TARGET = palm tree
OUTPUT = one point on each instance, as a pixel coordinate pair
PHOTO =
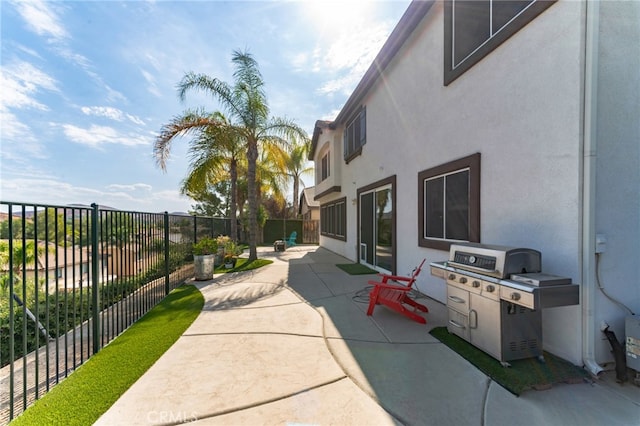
(245, 103)
(270, 174)
(295, 161)
(215, 148)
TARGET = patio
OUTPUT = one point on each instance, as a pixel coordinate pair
(290, 343)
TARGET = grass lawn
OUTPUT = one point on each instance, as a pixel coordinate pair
(523, 374)
(94, 387)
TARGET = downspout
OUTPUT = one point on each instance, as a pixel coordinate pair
(592, 21)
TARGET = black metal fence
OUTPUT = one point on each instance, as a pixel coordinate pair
(73, 278)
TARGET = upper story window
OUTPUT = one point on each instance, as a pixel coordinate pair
(325, 170)
(355, 135)
(449, 203)
(473, 28)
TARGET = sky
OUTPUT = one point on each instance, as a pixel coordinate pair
(87, 85)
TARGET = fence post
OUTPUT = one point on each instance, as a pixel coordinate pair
(166, 253)
(12, 335)
(195, 229)
(95, 282)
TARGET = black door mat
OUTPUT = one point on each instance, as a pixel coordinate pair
(523, 374)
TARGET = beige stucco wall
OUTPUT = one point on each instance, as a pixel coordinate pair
(521, 108)
(618, 164)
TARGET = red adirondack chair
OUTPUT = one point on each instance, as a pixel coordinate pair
(395, 296)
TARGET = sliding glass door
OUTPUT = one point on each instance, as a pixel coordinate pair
(376, 228)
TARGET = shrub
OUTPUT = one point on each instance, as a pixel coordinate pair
(205, 246)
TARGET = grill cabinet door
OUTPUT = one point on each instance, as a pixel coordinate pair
(484, 325)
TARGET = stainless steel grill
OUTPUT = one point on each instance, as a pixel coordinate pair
(495, 297)
(495, 261)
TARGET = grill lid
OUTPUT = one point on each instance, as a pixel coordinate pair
(494, 260)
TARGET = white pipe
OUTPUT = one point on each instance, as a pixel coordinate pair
(592, 24)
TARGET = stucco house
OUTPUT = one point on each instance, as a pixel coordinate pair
(522, 119)
(309, 208)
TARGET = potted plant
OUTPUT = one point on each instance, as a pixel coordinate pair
(231, 251)
(204, 252)
(222, 240)
(229, 261)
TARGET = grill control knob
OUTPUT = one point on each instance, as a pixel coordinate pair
(491, 288)
(515, 296)
(463, 280)
(452, 276)
(476, 283)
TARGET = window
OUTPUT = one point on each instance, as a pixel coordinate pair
(449, 203)
(473, 28)
(355, 135)
(333, 219)
(326, 167)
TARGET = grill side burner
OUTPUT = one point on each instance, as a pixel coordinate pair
(499, 315)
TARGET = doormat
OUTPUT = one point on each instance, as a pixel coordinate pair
(356, 269)
(524, 374)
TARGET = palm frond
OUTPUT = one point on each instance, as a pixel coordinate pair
(217, 89)
(190, 122)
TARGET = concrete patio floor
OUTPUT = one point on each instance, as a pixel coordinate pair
(290, 343)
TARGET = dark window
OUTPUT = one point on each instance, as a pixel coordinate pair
(325, 170)
(473, 28)
(449, 203)
(333, 219)
(355, 135)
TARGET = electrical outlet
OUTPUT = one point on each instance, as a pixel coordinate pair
(601, 243)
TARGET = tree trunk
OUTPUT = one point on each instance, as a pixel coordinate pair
(252, 157)
(296, 189)
(233, 214)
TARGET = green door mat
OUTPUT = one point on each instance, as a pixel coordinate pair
(524, 374)
(356, 269)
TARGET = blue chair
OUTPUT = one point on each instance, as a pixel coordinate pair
(292, 239)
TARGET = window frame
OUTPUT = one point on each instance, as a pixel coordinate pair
(333, 221)
(355, 135)
(519, 21)
(472, 163)
(325, 169)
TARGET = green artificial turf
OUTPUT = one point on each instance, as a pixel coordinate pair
(356, 269)
(89, 391)
(523, 374)
(242, 264)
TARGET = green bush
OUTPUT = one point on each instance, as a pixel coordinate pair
(61, 312)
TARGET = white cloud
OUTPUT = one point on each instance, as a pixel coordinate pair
(111, 113)
(41, 18)
(349, 57)
(57, 192)
(20, 82)
(130, 188)
(349, 35)
(75, 58)
(28, 51)
(112, 94)
(152, 86)
(18, 140)
(96, 136)
(46, 191)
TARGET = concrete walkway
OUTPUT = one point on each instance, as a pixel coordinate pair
(290, 344)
